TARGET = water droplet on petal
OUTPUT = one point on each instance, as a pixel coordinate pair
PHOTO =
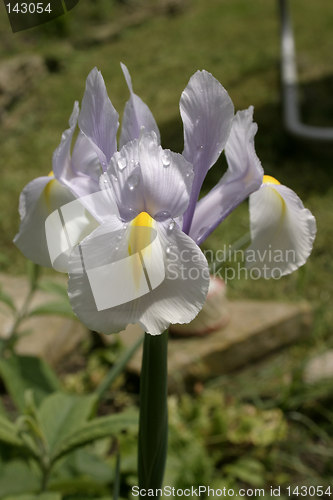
(162, 216)
(171, 226)
(114, 177)
(166, 158)
(154, 136)
(133, 181)
(122, 163)
(151, 146)
(168, 251)
(197, 121)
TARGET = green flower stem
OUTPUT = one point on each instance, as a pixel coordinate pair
(153, 425)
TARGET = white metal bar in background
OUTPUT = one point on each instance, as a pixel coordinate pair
(291, 108)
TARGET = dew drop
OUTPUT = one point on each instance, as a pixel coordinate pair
(168, 251)
(154, 136)
(171, 226)
(166, 158)
(151, 146)
(162, 216)
(122, 163)
(133, 181)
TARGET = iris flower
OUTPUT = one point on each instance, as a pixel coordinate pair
(131, 222)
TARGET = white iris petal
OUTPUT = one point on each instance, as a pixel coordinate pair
(282, 231)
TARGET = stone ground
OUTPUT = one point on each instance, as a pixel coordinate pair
(254, 330)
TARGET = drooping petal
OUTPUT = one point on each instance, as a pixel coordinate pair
(154, 285)
(61, 163)
(206, 110)
(182, 294)
(98, 119)
(136, 115)
(244, 176)
(38, 200)
(147, 178)
(282, 231)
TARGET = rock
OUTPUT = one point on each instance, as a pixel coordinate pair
(255, 330)
(319, 368)
(16, 78)
(213, 316)
(51, 337)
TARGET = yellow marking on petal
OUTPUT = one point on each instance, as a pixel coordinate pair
(268, 179)
(47, 193)
(142, 220)
(50, 174)
(139, 239)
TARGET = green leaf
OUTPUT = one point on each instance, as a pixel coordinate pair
(248, 470)
(61, 414)
(61, 308)
(20, 373)
(97, 428)
(118, 368)
(116, 487)
(90, 464)
(2, 409)
(54, 288)
(8, 432)
(6, 299)
(16, 477)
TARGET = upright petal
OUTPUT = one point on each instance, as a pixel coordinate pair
(147, 178)
(98, 119)
(176, 295)
(38, 200)
(282, 231)
(61, 163)
(136, 116)
(244, 175)
(85, 160)
(206, 110)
